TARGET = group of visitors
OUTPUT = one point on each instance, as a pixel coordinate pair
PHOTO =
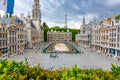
(20, 53)
(53, 55)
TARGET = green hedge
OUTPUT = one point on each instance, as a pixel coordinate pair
(11, 70)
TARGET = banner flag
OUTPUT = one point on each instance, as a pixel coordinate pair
(10, 6)
(7, 6)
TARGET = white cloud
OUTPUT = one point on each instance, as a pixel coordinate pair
(22, 7)
(52, 24)
(52, 1)
(49, 7)
(112, 2)
(88, 17)
(2, 13)
(83, 4)
(73, 21)
(74, 24)
(45, 8)
(62, 1)
(71, 24)
(76, 7)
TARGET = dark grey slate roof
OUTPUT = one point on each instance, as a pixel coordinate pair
(7, 20)
(32, 25)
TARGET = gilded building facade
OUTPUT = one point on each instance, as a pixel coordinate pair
(57, 36)
(102, 36)
(107, 37)
(19, 33)
(12, 36)
(84, 38)
(12, 39)
(4, 47)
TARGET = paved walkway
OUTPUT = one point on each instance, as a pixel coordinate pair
(87, 60)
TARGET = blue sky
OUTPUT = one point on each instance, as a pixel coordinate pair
(53, 11)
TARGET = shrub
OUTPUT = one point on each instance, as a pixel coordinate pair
(11, 70)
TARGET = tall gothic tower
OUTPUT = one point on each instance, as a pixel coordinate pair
(82, 29)
(36, 16)
(83, 25)
(36, 13)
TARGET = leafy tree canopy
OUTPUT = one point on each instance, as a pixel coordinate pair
(45, 25)
(117, 17)
(56, 27)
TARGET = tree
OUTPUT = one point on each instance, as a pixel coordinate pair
(74, 32)
(56, 27)
(117, 17)
(45, 25)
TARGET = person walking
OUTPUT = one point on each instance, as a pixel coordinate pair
(36, 51)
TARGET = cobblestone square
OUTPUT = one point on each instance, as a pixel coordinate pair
(87, 60)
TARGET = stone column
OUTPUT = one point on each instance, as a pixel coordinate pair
(108, 51)
(105, 50)
(115, 53)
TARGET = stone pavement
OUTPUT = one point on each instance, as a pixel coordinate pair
(87, 60)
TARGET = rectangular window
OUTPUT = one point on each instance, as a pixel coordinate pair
(10, 39)
(3, 42)
(114, 40)
(118, 29)
(3, 35)
(117, 45)
(114, 34)
(117, 20)
(0, 43)
(0, 35)
(12, 33)
(111, 34)
(6, 42)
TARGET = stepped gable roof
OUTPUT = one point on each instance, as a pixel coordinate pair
(109, 20)
(51, 30)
